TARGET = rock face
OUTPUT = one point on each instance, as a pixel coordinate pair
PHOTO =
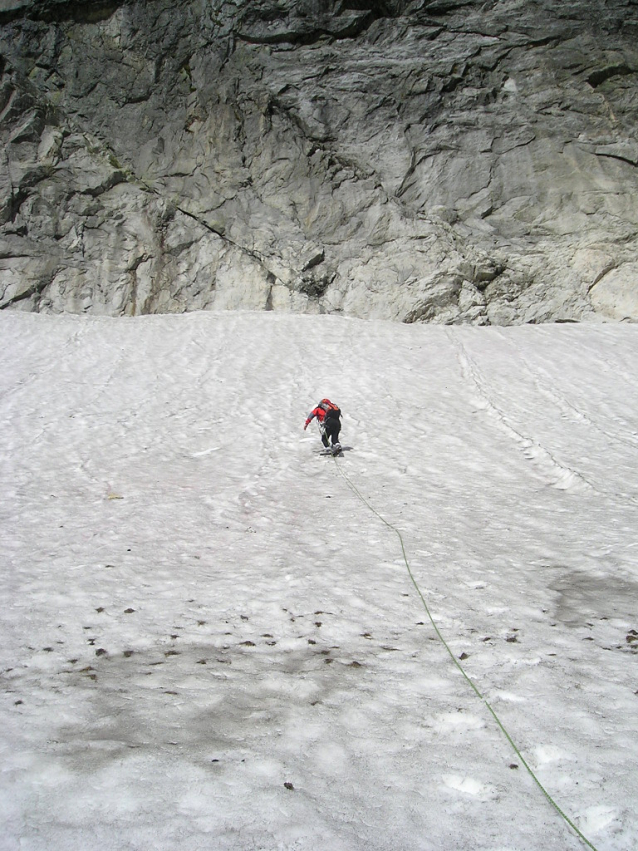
(442, 160)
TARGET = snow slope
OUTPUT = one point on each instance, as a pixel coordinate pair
(209, 640)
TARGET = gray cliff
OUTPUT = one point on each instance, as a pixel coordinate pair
(436, 160)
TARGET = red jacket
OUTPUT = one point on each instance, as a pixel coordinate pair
(317, 412)
(321, 413)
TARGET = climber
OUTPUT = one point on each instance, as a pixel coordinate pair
(327, 414)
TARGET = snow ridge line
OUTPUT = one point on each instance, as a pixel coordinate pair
(564, 478)
(456, 662)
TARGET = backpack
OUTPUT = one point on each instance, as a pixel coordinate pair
(330, 408)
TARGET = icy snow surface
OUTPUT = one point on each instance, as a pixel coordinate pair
(208, 641)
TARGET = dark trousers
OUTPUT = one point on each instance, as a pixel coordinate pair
(330, 431)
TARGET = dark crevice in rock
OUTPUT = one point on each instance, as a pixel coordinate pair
(242, 248)
(316, 260)
(600, 76)
(259, 27)
(143, 258)
(301, 39)
(629, 157)
(35, 290)
(625, 152)
(59, 11)
(16, 201)
(444, 7)
(114, 179)
(269, 302)
(314, 287)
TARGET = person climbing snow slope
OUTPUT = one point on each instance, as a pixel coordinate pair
(327, 414)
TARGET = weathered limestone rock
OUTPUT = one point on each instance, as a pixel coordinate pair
(424, 161)
(616, 294)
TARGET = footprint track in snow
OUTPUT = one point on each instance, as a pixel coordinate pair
(559, 475)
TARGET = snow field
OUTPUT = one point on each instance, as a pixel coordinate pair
(208, 641)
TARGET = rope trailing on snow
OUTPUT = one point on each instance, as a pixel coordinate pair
(463, 672)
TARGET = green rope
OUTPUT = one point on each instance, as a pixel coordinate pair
(465, 675)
